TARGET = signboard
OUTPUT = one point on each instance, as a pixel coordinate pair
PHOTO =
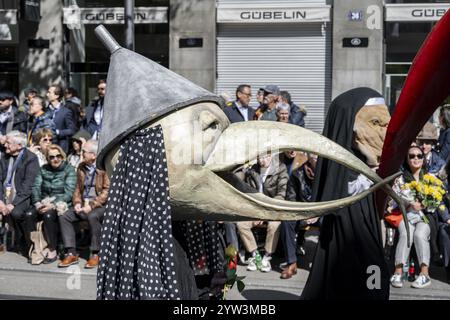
(273, 15)
(31, 10)
(74, 16)
(415, 12)
(38, 43)
(191, 43)
(355, 42)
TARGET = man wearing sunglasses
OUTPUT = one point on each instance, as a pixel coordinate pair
(427, 139)
(271, 98)
(239, 110)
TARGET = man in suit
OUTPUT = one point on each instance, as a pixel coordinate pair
(18, 170)
(94, 112)
(61, 116)
(240, 110)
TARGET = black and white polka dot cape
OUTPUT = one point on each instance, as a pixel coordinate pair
(203, 245)
(137, 256)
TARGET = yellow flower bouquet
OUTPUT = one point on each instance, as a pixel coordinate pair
(429, 191)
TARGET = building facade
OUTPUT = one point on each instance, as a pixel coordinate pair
(315, 49)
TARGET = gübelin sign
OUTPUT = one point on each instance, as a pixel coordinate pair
(74, 16)
(416, 12)
(273, 15)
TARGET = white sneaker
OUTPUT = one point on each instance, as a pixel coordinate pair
(396, 280)
(265, 264)
(252, 264)
(422, 281)
(241, 255)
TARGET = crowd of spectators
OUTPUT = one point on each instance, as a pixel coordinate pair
(51, 182)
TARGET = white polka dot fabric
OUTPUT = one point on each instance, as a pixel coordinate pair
(137, 252)
(203, 245)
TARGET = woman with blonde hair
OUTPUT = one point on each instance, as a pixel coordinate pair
(52, 195)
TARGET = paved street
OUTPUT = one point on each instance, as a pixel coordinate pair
(19, 280)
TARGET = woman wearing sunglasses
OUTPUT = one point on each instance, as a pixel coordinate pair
(419, 226)
(41, 140)
(52, 195)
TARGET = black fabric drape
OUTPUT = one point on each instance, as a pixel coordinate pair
(203, 246)
(139, 259)
(350, 238)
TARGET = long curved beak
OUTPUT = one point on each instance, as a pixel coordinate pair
(242, 142)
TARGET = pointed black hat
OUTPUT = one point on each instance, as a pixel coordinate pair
(140, 91)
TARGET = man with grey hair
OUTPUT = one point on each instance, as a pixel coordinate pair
(89, 200)
(18, 170)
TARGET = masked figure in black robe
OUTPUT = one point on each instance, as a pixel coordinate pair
(350, 238)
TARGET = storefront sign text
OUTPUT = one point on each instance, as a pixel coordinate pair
(409, 12)
(234, 15)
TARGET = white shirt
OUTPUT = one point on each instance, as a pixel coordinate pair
(242, 110)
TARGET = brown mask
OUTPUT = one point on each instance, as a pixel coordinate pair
(370, 130)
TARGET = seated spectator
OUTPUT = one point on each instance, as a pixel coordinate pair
(41, 140)
(89, 199)
(18, 170)
(414, 169)
(427, 139)
(283, 112)
(299, 188)
(444, 236)
(268, 176)
(52, 195)
(297, 114)
(38, 119)
(73, 102)
(10, 116)
(76, 156)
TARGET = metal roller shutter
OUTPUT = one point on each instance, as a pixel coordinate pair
(294, 56)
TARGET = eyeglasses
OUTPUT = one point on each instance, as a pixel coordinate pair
(413, 156)
(85, 151)
(58, 156)
(426, 142)
(47, 139)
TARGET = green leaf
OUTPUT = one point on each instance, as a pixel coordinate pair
(231, 273)
(240, 286)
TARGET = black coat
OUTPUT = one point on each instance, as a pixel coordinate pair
(234, 115)
(26, 173)
(350, 238)
(20, 121)
(65, 124)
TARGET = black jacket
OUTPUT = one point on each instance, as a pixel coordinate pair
(20, 121)
(26, 173)
(234, 115)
